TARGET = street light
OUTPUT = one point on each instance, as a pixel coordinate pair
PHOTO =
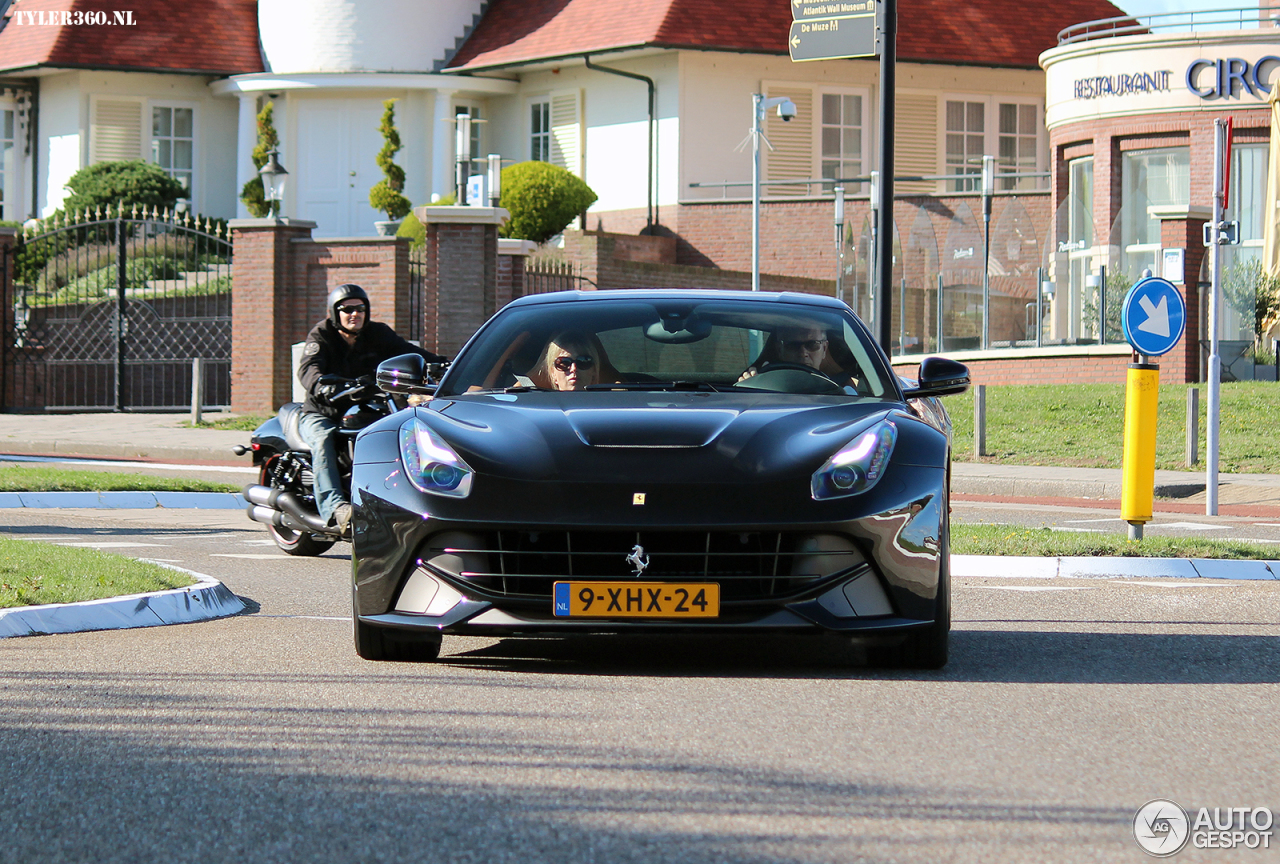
(988, 189)
(273, 180)
(787, 111)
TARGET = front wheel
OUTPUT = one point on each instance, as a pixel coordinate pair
(301, 543)
(379, 643)
(926, 648)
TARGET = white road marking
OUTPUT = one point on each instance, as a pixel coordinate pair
(1192, 526)
(1268, 524)
(1247, 540)
(111, 545)
(1077, 530)
(1205, 584)
(279, 556)
(259, 542)
(1037, 587)
(311, 617)
(1084, 521)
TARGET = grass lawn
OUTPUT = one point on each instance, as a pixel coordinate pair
(34, 573)
(1017, 540)
(241, 422)
(22, 478)
(1082, 425)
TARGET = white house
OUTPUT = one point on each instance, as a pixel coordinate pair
(182, 87)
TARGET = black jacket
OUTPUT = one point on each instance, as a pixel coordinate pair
(326, 353)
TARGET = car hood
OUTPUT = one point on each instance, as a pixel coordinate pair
(669, 437)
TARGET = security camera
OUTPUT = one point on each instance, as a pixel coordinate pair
(787, 110)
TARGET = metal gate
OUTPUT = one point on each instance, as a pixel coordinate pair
(107, 311)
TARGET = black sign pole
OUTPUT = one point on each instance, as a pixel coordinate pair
(884, 241)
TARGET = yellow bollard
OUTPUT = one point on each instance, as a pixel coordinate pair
(1142, 396)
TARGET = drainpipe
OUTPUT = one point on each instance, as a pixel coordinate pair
(650, 220)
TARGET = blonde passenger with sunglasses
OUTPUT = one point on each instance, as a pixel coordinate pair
(570, 362)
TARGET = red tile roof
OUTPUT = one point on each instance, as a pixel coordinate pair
(980, 32)
(217, 37)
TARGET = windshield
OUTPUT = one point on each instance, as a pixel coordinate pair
(676, 343)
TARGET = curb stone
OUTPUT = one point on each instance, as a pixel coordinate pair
(206, 600)
(1012, 567)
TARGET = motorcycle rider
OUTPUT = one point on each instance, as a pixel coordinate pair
(345, 345)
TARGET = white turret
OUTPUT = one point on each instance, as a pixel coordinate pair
(361, 35)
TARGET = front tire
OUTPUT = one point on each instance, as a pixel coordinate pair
(300, 543)
(926, 648)
(380, 643)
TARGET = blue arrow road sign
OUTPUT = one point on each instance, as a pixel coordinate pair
(1153, 317)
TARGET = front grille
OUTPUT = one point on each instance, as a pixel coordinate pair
(754, 565)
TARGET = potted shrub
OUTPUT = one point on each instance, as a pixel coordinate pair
(385, 194)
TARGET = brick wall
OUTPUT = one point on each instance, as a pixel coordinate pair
(1061, 368)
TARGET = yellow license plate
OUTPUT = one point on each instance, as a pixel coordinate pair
(637, 600)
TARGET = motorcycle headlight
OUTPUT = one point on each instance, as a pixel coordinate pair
(430, 463)
(858, 465)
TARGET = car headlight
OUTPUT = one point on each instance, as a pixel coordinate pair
(431, 464)
(858, 465)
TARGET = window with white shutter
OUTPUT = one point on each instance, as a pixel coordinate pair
(915, 141)
(566, 130)
(115, 129)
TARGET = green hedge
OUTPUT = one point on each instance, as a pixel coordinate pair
(542, 199)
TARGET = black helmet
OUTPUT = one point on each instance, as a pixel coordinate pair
(346, 292)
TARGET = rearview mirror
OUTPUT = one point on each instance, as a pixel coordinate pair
(939, 377)
(404, 375)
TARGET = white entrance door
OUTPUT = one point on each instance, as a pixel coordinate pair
(338, 140)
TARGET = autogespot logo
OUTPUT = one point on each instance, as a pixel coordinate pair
(1161, 828)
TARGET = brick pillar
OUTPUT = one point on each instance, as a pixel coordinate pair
(512, 255)
(1180, 228)
(261, 270)
(461, 274)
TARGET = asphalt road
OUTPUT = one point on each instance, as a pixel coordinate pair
(264, 738)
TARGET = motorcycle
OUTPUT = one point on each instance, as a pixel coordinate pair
(283, 498)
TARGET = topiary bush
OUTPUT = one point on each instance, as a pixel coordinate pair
(385, 194)
(253, 195)
(133, 182)
(542, 199)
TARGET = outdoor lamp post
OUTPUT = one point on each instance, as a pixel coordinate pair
(495, 179)
(988, 189)
(839, 214)
(787, 111)
(462, 156)
(273, 180)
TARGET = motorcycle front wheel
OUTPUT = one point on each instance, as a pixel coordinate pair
(301, 543)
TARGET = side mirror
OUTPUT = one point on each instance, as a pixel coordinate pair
(404, 375)
(939, 377)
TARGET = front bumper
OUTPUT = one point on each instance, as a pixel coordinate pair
(897, 534)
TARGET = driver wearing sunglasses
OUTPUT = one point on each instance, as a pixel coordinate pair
(569, 362)
(805, 346)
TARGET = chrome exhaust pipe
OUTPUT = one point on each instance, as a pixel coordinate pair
(282, 502)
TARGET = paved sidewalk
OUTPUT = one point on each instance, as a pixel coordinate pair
(154, 437)
(165, 438)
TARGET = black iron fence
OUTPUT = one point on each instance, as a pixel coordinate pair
(108, 309)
